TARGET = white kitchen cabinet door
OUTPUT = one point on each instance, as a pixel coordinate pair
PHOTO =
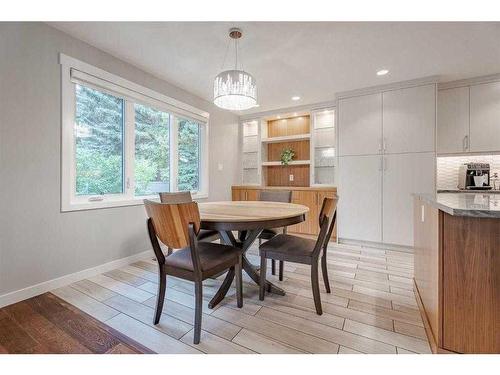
(404, 174)
(453, 120)
(360, 198)
(360, 125)
(485, 117)
(410, 119)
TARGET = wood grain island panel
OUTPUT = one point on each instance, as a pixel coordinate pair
(457, 283)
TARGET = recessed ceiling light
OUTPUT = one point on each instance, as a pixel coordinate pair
(279, 116)
(295, 98)
(295, 114)
(382, 72)
(256, 105)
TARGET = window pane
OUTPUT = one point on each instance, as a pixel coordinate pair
(152, 166)
(99, 142)
(189, 155)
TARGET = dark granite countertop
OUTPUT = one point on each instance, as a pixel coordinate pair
(485, 204)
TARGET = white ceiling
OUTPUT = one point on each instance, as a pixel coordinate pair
(312, 60)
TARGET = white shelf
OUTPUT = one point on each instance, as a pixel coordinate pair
(297, 137)
(294, 162)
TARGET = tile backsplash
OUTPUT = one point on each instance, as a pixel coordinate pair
(447, 168)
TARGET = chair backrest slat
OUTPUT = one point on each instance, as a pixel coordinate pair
(284, 196)
(171, 221)
(327, 217)
(177, 197)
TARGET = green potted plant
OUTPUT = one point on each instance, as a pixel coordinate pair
(287, 155)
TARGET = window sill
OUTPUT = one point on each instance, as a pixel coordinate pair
(139, 201)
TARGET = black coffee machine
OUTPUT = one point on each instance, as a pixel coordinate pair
(474, 176)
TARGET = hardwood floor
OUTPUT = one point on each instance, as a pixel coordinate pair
(371, 309)
(47, 324)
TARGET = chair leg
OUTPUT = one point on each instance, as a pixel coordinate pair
(315, 287)
(198, 291)
(273, 267)
(162, 286)
(239, 283)
(169, 251)
(282, 266)
(324, 271)
(262, 286)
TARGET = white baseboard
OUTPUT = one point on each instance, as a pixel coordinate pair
(377, 245)
(46, 286)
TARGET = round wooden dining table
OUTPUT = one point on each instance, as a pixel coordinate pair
(249, 219)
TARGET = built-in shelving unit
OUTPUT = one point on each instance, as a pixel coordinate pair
(311, 135)
(280, 133)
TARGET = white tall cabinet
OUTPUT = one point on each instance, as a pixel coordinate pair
(386, 153)
(360, 195)
(361, 130)
(404, 174)
(409, 120)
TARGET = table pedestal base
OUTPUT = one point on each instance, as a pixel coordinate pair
(247, 240)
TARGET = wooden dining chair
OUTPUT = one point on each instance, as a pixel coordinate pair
(185, 197)
(285, 247)
(284, 196)
(177, 226)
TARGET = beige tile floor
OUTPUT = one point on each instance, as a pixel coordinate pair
(371, 309)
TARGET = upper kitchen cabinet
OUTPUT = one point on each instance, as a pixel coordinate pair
(485, 117)
(360, 125)
(409, 120)
(453, 120)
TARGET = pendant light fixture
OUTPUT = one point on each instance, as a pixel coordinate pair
(235, 89)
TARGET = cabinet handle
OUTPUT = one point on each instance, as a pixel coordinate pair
(384, 144)
(246, 195)
(380, 167)
(385, 164)
(466, 143)
(380, 144)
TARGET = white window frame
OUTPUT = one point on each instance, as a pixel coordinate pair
(131, 93)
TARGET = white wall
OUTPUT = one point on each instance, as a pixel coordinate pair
(37, 241)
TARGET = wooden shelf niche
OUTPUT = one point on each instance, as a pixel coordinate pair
(283, 133)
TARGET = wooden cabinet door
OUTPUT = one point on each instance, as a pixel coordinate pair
(485, 117)
(252, 194)
(309, 199)
(360, 125)
(404, 175)
(245, 194)
(360, 198)
(237, 194)
(453, 120)
(410, 119)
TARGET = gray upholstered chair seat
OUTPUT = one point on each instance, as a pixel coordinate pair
(212, 256)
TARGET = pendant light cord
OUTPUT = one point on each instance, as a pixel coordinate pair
(236, 53)
(225, 55)
(236, 47)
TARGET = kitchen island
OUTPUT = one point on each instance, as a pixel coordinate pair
(457, 264)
